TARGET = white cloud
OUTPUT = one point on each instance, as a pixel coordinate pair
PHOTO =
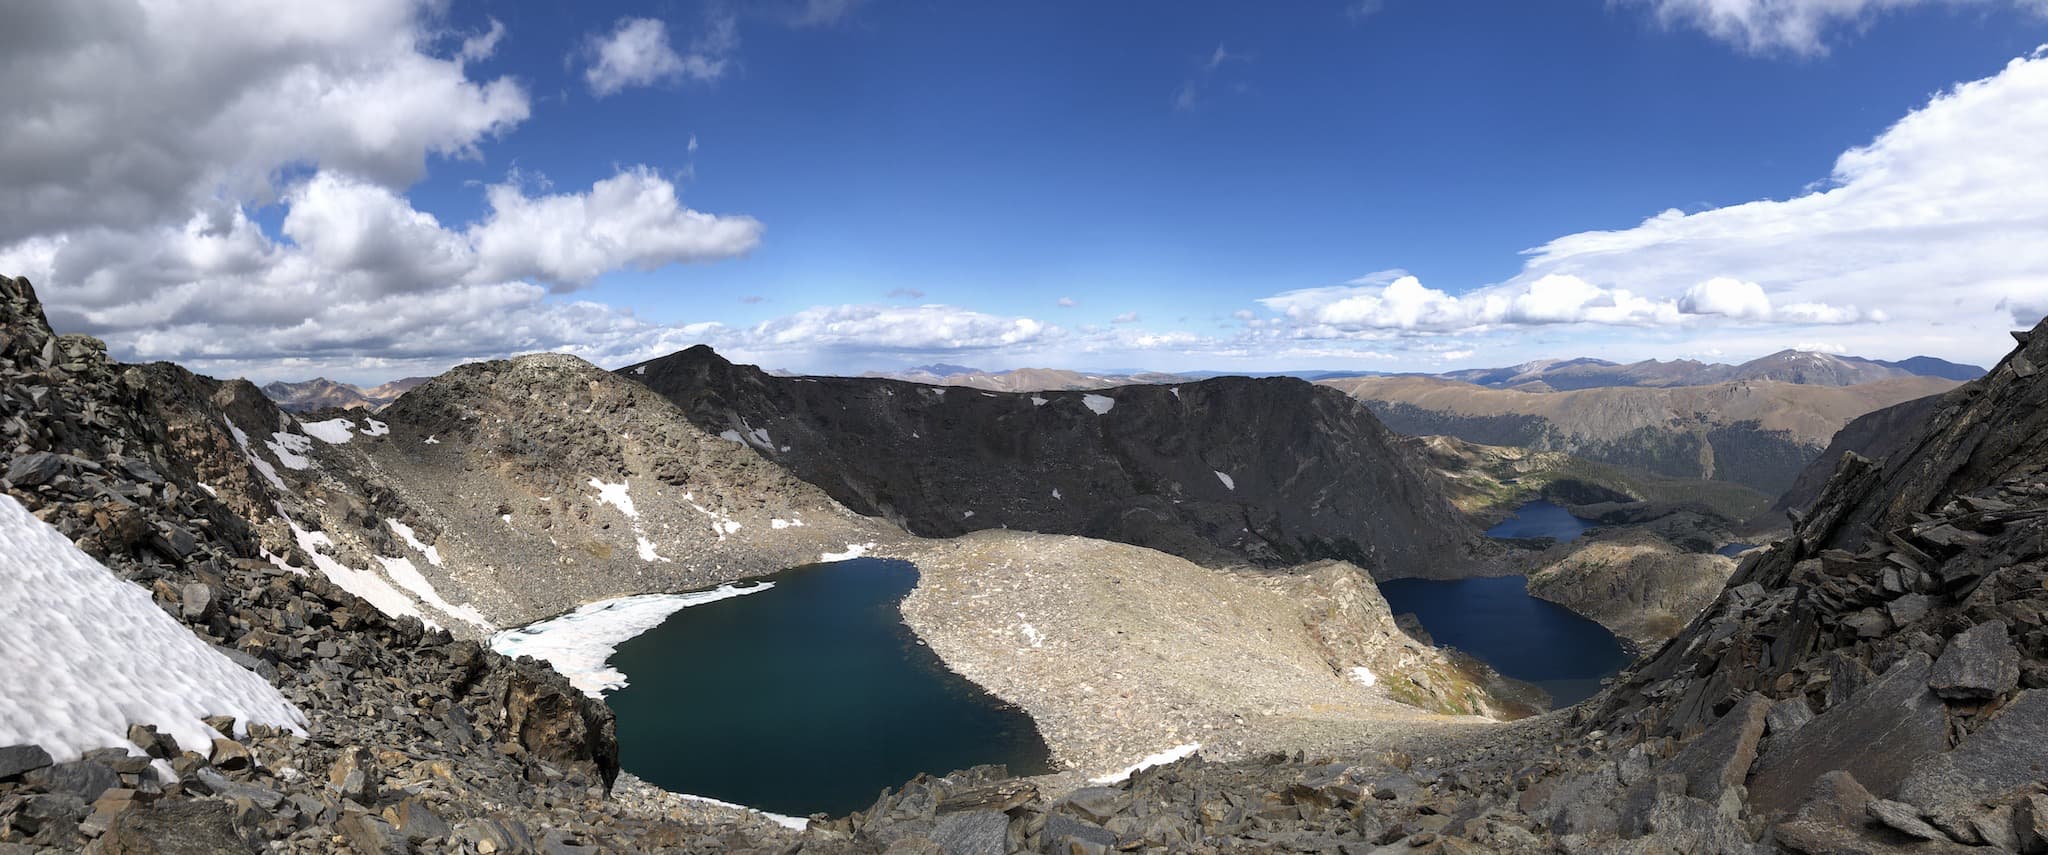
(1067, 303)
(1125, 318)
(893, 329)
(632, 219)
(124, 115)
(637, 53)
(1794, 26)
(1732, 298)
(1820, 347)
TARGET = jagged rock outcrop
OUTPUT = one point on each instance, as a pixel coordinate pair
(1230, 470)
(1756, 433)
(1874, 435)
(447, 744)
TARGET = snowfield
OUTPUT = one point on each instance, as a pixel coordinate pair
(89, 654)
(1101, 404)
(332, 431)
(578, 644)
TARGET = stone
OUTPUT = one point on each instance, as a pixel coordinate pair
(1835, 799)
(370, 835)
(354, 776)
(1980, 663)
(229, 755)
(82, 778)
(2030, 824)
(1909, 608)
(1787, 716)
(181, 827)
(974, 832)
(1904, 818)
(34, 469)
(1062, 832)
(1095, 803)
(416, 821)
(17, 759)
(1720, 757)
(196, 601)
(1879, 735)
(2009, 751)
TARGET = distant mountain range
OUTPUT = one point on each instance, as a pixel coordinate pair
(321, 393)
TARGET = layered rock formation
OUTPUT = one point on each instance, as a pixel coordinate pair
(1755, 433)
(1232, 470)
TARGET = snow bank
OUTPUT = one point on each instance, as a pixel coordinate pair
(578, 644)
(1229, 483)
(646, 548)
(853, 550)
(332, 431)
(402, 571)
(372, 427)
(1101, 404)
(291, 449)
(88, 654)
(789, 822)
(1363, 675)
(405, 533)
(1170, 755)
(361, 583)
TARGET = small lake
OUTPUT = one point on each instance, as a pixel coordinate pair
(1529, 639)
(809, 697)
(1541, 518)
(1735, 550)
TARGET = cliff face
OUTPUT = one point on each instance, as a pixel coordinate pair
(1875, 435)
(1229, 470)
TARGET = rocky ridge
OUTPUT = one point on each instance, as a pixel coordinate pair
(1272, 472)
(415, 738)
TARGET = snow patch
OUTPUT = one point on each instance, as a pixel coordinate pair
(405, 533)
(640, 370)
(332, 431)
(1176, 392)
(1229, 483)
(967, 515)
(372, 427)
(210, 490)
(1038, 401)
(263, 467)
(1031, 634)
(89, 654)
(782, 524)
(853, 550)
(579, 644)
(432, 441)
(1170, 755)
(646, 548)
(1101, 404)
(1363, 675)
(364, 584)
(402, 571)
(760, 437)
(789, 822)
(291, 449)
(1055, 492)
(617, 496)
(732, 436)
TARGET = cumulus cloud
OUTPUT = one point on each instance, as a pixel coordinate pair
(1068, 302)
(1125, 318)
(637, 53)
(1793, 26)
(1727, 297)
(127, 115)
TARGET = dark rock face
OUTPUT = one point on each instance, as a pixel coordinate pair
(1230, 470)
(1979, 664)
(1875, 435)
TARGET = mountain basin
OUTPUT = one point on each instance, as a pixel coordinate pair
(809, 697)
(1529, 639)
(1541, 518)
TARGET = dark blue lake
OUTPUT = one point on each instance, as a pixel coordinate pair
(809, 697)
(1496, 621)
(1541, 518)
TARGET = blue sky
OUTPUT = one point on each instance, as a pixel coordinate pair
(1210, 185)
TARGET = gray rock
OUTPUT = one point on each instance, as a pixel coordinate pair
(1879, 735)
(17, 759)
(1095, 803)
(1903, 817)
(1979, 664)
(1909, 608)
(354, 775)
(197, 601)
(34, 469)
(82, 778)
(1787, 716)
(1061, 831)
(1720, 757)
(974, 832)
(180, 827)
(2030, 824)
(418, 822)
(2009, 751)
(370, 835)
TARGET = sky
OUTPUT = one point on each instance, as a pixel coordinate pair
(387, 188)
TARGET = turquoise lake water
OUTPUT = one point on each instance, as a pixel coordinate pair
(812, 696)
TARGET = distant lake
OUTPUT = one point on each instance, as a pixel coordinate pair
(810, 697)
(1735, 549)
(1529, 639)
(1541, 518)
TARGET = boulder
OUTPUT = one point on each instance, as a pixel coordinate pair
(1879, 735)
(1720, 757)
(18, 759)
(2009, 751)
(82, 778)
(974, 832)
(1980, 663)
(1903, 818)
(181, 827)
